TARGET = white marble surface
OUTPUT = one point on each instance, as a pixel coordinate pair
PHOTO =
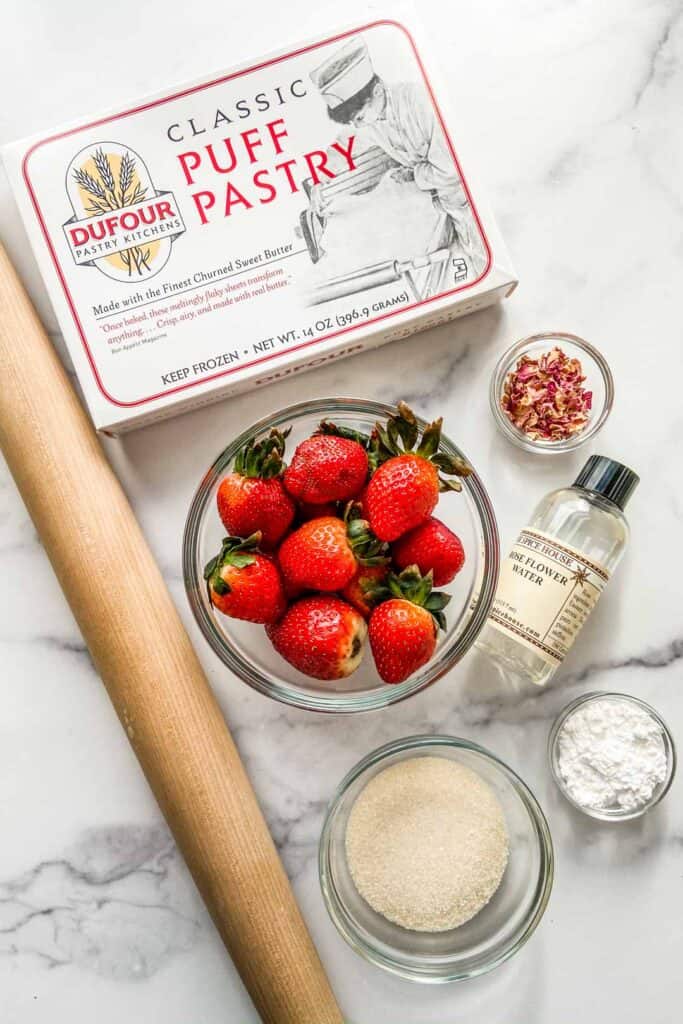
(574, 108)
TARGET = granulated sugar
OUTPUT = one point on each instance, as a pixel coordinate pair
(427, 843)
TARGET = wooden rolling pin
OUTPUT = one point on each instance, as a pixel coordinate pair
(151, 671)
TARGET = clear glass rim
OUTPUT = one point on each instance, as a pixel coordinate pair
(435, 970)
(443, 661)
(553, 737)
(519, 438)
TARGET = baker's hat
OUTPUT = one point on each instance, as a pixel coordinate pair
(347, 71)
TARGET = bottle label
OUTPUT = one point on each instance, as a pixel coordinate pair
(546, 592)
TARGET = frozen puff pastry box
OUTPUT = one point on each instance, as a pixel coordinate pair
(258, 222)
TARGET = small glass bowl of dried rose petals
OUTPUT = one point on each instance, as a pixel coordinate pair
(551, 392)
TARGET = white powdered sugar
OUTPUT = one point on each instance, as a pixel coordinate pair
(611, 755)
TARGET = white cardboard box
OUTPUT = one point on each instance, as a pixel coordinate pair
(257, 223)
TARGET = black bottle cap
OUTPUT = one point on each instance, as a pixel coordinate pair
(609, 478)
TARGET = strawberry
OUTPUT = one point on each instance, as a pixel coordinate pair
(253, 497)
(431, 546)
(405, 485)
(403, 629)
(245, 584)
(321, 636)
(330, 466)
(323, 553)
(365, 588)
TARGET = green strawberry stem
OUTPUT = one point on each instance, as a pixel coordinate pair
(234, 551)
(263, 458)
(333, 430)
(400, 437)
(367, 548)
(411, 585)
(374, 591)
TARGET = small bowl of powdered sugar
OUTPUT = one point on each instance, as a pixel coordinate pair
(612, 756)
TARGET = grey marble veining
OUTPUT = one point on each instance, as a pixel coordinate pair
(573, 108)
(110, 904)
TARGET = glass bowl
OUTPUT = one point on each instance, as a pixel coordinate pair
(500, 928)
(612, 814)
(599, 380)
(244, 647)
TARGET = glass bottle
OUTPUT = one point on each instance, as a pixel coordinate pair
(556, 571)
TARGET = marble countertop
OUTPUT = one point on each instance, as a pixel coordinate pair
(574, 109)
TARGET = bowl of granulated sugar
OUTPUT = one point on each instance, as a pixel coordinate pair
(436, 861)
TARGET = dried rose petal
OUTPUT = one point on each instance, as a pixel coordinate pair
(544, 397)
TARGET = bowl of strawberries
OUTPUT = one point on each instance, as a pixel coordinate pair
(341, 555)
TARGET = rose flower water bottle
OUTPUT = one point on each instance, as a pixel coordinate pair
(557, 569)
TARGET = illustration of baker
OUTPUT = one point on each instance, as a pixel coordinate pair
(398, 138)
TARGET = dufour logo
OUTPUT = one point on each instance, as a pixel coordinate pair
(120, 223)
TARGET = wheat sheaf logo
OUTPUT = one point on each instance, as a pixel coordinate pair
(121, 224)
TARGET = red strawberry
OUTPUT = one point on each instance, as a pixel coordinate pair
(431, 546)
(403, 629)
(323, 554)
(364, 590)
(402, 493)
(245, 584)
(327, 467)
(321, 636)
(253, 497)
(404, 488)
